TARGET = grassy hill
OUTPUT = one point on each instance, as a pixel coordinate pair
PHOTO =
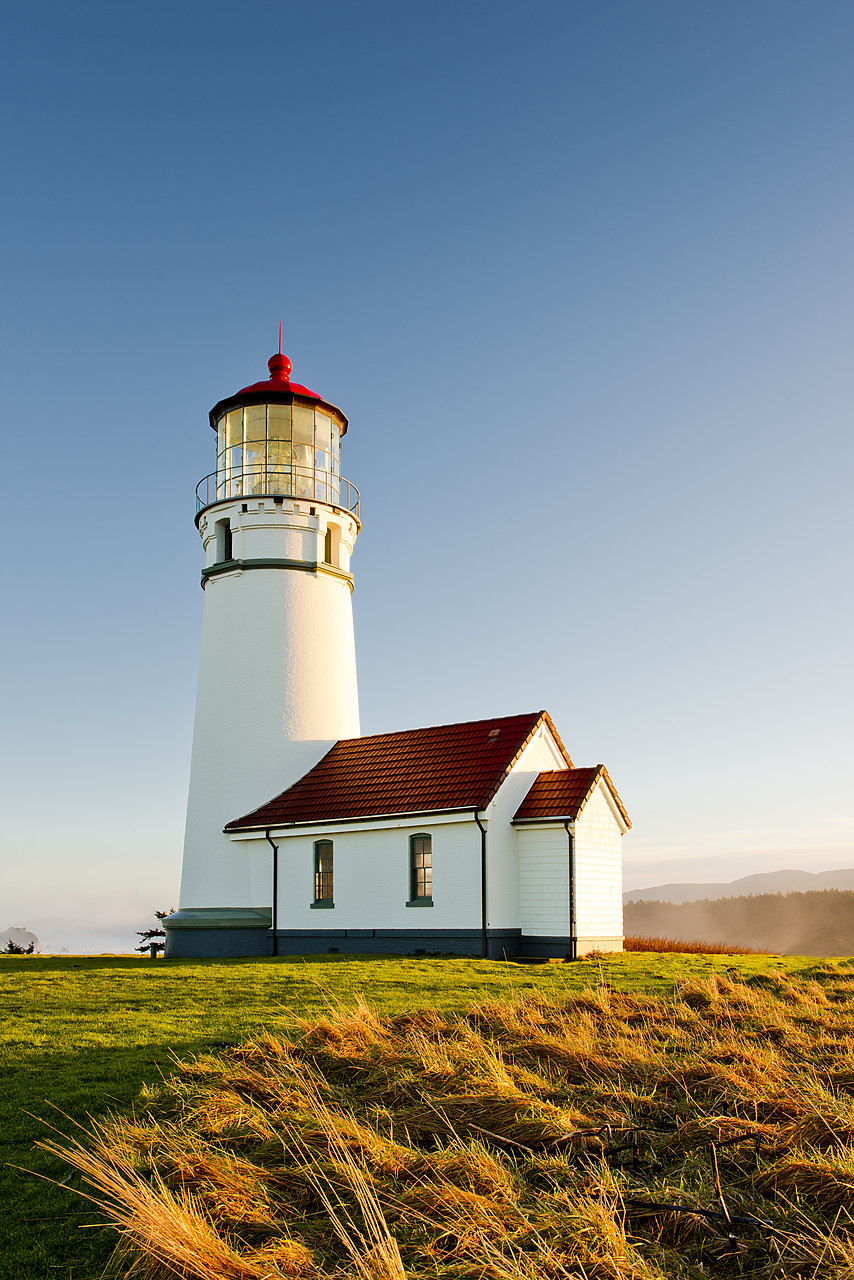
(87, 1035)
(818, 923)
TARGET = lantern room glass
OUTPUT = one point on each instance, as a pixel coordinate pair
(279, 448)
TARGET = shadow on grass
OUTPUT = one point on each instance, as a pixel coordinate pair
(46, 1231)
(81, 1036)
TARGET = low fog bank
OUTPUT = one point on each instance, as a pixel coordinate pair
(86, 918)
(59, 935)
(818, 923)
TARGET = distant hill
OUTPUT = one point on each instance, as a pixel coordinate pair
(768, 882)
(818, 923)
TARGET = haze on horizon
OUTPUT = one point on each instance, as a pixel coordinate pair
(581, 278)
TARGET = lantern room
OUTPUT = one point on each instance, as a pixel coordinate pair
(278, 437)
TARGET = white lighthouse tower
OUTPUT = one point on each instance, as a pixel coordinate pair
(277, 674)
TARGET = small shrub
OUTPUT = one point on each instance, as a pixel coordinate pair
(12, 949)
(154, 937)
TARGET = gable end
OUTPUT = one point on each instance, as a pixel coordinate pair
(561, 794)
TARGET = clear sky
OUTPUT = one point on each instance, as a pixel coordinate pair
(581, 276)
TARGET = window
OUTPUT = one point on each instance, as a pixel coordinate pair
(323, 871)
(421, 868)
(332, 545)
(223, 540)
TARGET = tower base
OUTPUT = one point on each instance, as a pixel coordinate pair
(218, 932)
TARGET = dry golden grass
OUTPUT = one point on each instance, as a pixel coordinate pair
(605, 1137)
(688, 946)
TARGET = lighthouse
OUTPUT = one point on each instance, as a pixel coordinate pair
(277, 672)
(480, 837)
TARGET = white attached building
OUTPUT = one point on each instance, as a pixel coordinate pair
(479, 838)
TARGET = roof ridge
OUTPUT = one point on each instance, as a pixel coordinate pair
(598, 770)
(545, 716)
(509, 764)
(575, 768)
(453, 724)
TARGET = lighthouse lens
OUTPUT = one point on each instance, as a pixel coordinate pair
(278, 422)
(255, 425)
(279, 478)
(323, 431)
(303, 425)
(234, 428)
(290, 449)
(322, 454)
(303, 451)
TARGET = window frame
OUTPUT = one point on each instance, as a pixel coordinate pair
(224, 535)
(323, 877)
(423, 899)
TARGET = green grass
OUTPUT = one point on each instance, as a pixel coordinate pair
(84, 1035)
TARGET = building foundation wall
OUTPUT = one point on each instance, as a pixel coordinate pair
(502, 944)
(560, 947)
(217, 944)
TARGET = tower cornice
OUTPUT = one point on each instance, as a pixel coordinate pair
(277, 562)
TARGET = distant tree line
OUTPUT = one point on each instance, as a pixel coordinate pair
(817, 923)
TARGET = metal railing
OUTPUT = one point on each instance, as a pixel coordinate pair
(261, 480)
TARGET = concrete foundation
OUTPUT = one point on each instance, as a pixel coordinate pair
(198, 939)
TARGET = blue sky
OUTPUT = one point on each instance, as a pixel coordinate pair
(580, 274)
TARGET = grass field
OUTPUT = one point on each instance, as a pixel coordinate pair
(86, 1035)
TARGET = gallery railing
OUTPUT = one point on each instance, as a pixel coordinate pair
(292, 482)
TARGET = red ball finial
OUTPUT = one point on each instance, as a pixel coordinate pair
(280, 368)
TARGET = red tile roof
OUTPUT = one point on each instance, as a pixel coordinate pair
(449, 766)
(563, 793)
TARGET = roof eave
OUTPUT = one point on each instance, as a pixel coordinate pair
(553, 819)
(603, 773)
(544, 716)
(466, 809)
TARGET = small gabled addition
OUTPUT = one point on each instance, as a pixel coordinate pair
(562, 794)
